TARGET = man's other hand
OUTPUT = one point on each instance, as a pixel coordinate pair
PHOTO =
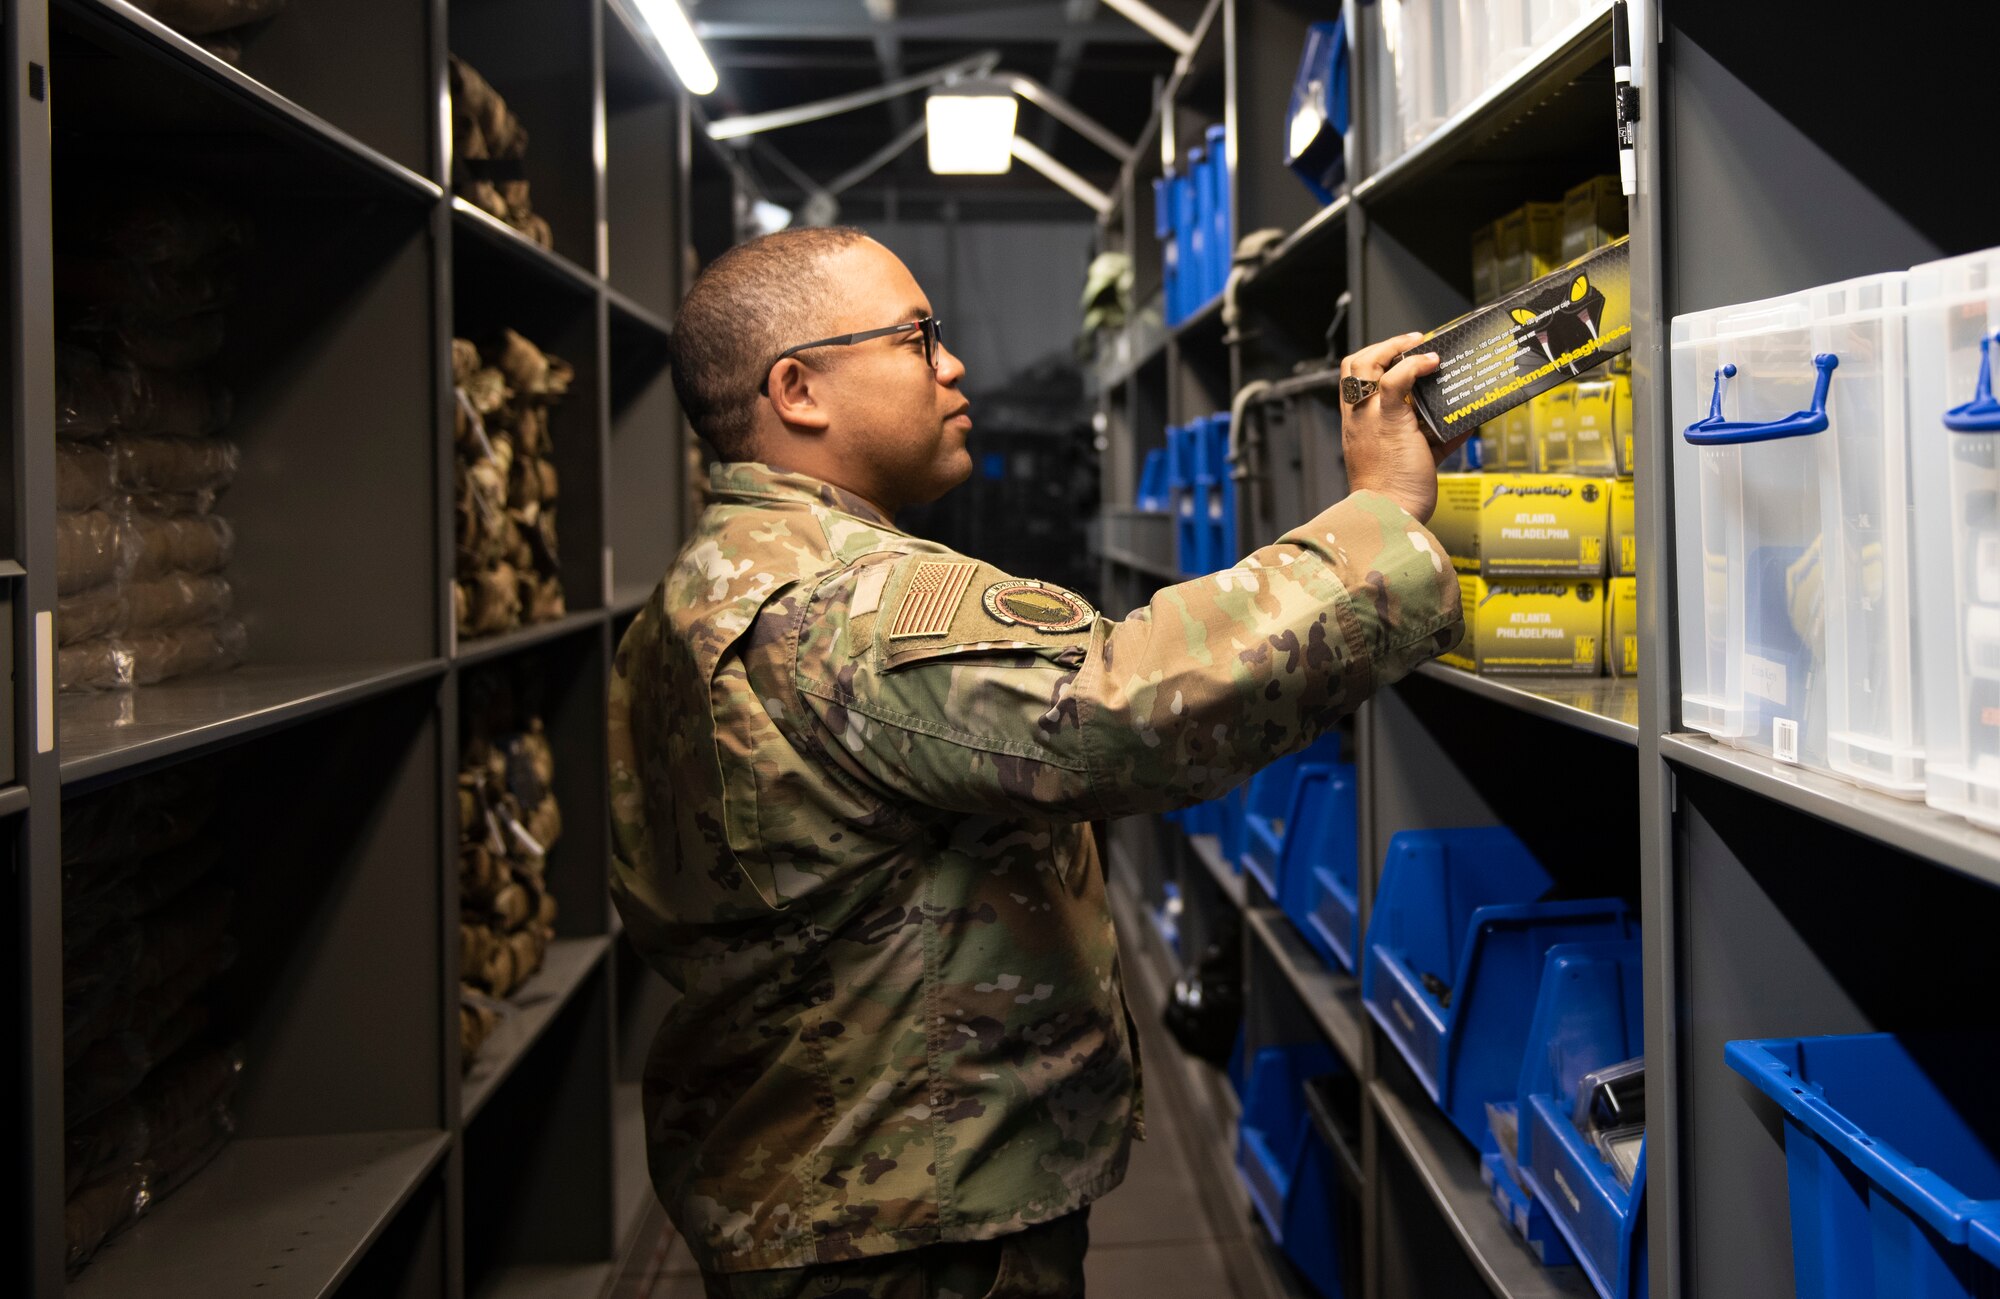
(1387, 449)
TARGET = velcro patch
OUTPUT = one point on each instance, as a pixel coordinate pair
(931, 599)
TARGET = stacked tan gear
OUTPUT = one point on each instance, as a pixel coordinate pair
(508, 820)
(215, 25)
(141, 289)
(146, 1086)
(489, 148)
(507, 487)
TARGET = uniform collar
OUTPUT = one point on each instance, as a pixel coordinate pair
(744, 480)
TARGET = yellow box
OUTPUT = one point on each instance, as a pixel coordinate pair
(1553, 415)
(1543, 526)
(1624, 528)
(1526, 244)
(1485, 267)
(1455, 522)
(1593, 215)
(1470, 588)
(1543, 628)
(1593, 438)
(1621, 418)
(1621, 623)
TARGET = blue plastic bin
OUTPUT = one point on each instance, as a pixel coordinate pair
(1267, 809)
(1167, 916)
(1189, 238)
(1290, 1174)
(1184, 453)
(1319, 877)
(1220, 489)
(1462, 907)
(1892, 1151)
(1222, 243)
(1232, 825)
(1152, 494)
(1526, 1215)
(1589, 1014)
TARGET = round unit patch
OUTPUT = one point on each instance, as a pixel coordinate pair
(1019, 603)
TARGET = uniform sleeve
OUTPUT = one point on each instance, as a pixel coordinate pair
(917, 690)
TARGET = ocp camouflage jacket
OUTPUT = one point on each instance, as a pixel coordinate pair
(850, 775)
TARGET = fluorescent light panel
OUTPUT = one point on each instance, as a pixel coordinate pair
(971, 134)
(671, 28)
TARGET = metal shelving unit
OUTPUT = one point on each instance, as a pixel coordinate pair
(1775, 902)
(367, 1161)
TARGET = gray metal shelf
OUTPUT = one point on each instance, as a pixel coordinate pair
(1600, 705)
(112, 731)
(13, 799)
(485, 648)
(1331, 997)
(1207, 850)
(625, 306)
(1325, 225)
(140, 32)
(1501, 106)
(546, 263)
(282, 1216)
(1449, 1170)
(1909, 825)
(1140, 564)
(535, 1004)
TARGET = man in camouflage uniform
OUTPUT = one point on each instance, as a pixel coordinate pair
(851, 773)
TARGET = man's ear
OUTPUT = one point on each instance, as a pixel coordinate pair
(791, 386)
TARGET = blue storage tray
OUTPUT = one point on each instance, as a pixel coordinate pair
(1320, 868)
(1222, 245)
(1892, 1151)
(1268, 808)
(1589, 1014)
(1231, 824)
(1321, 877)
(1462, 906)
(1526, 1215)
(1190, 238)
(1291, 1176)
(1152, 493)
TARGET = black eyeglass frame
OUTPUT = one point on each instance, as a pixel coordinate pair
(931, 326)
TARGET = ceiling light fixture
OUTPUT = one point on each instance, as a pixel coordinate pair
(671, 28)
(971, 128)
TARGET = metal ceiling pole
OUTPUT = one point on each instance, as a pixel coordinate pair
(1155, 24)
(1068, 114)
(1078, 188)
(730, 128)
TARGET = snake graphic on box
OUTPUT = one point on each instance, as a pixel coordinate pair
(1559, 322)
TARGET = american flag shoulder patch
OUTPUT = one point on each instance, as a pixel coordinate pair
(931, 601)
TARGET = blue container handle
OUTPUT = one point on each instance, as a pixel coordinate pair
(1982, 413)
(1716, 431)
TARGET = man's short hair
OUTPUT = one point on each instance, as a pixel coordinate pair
(752, 303)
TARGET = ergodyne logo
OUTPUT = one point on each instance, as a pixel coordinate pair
(1519, 589)
(1540, 489)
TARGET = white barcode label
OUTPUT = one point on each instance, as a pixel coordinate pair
(1784, 739)
(1764, 678)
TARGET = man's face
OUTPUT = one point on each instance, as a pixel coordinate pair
(893, 416)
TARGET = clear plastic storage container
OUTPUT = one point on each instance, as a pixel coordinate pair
(1795, 585)
(1954, 423)
(1748, 540)
(1422, 69)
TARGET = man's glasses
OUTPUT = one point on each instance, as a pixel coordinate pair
(931, 327)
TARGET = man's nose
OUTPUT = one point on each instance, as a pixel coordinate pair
(950, 369)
